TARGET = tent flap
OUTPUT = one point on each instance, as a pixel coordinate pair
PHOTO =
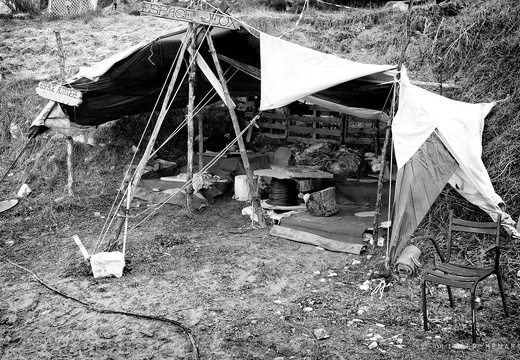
(418, 184)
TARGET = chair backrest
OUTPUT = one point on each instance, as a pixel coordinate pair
(460, 225)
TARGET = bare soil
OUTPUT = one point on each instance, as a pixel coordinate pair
(243, 293)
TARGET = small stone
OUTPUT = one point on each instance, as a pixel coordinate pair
(277, 301)
(321, 334)
(365, 286)
(362, 310)
(307, 309)
(372, 345)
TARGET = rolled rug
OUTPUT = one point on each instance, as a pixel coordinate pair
(408, 260)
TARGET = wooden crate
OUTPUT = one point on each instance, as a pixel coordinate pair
(363, 132)
(314, 123)
(318, 125)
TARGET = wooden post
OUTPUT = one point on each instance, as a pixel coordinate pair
(201, 143)
(70, 165)
(192, 49)
(61, 54)
(164, 109)
(68, 139)
(250, 179)
(385, 144)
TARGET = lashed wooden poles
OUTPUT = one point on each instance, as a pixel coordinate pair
(387, 139)
(164, 109)
(257, 209)
(192, 49)
(162, 115)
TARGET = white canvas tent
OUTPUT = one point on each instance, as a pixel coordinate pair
(438, 141)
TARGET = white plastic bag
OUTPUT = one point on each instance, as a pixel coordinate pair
(105, 264)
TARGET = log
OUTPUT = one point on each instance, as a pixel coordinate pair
(192, 49)
(323, 203)
(249, 173)
(312, 239)
(70, 166)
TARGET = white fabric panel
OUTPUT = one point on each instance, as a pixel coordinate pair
(421, 112)
(204, 67)
(361, 113)
(459, 126)
(291, 72)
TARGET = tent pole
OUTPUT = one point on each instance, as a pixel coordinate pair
(385, 144)
(192, 49)
(201, 142)
(257, 209)
(164, 109)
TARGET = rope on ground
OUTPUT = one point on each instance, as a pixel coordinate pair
(109, 311)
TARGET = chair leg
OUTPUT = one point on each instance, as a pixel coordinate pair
(473, 317)
(425, 315)
(502, 294)
(450, 296)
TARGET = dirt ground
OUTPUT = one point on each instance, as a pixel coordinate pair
(243, 294)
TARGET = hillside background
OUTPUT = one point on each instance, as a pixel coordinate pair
(472, 44)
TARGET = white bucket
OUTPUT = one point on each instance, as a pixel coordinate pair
(242, 192)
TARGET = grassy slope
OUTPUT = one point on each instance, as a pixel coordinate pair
(477, 50)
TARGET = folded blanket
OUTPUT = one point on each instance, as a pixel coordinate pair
(408, 260)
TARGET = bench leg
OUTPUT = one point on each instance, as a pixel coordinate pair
(502, 294)
(450, 296)
(473, 317)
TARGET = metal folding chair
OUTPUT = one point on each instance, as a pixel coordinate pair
(461, 276)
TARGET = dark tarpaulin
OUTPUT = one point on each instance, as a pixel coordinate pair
(132, 85)
(418, 184)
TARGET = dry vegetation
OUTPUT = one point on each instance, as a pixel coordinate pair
(242, 301)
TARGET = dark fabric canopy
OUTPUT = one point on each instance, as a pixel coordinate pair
(133, 84)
